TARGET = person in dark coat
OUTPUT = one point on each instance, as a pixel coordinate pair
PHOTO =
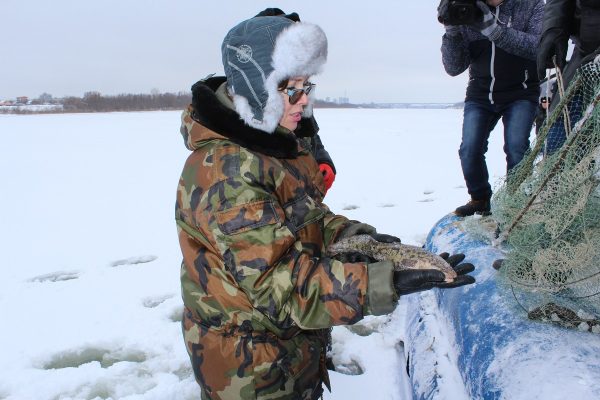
(578, 20)
(499, 50)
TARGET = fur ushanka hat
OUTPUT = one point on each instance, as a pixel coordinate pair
(261, 52)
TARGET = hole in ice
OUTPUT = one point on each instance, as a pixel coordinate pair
(57, 276)
(106, 358)
(133, 260)
(367, 326)
(184, 372)
(361, 330)
(351, 367)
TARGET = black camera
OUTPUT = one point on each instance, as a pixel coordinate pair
(459, 12)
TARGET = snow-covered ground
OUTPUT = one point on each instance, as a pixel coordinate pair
(31, 108)
(89, 278)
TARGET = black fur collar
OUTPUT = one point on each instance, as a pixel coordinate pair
(211, 113)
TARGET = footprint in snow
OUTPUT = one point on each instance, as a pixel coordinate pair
(106, 357)
(350, 207)
(153, 302)
(57, 276)
(351, 367)
(428, 200)
(133, 260)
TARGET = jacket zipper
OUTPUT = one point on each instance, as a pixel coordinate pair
(525, 81)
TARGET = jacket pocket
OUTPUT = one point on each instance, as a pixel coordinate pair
(244, 217)
(303, 211)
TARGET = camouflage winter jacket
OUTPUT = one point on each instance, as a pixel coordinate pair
(257, 288)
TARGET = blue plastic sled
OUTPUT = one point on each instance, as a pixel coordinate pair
(475, 342)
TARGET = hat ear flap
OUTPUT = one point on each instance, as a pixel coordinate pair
(271, 113)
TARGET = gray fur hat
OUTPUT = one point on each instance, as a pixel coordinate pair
(261, 52)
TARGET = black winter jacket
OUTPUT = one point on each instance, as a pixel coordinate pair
(579, 18)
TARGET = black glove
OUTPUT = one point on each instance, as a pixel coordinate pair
(359, 228)
(354, 257)
(275, 12)
(554, 42)
(415, 280)
(383, 238)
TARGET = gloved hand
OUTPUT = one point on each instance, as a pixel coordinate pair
(415, 280)
(354, 257)
(359, 228)
(488, 26)
(554, 42)
(328, 175)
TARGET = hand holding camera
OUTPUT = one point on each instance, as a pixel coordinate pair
(468, 12)
(488, 25)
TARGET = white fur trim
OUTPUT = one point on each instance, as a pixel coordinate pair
(273, 112)
(300, 50)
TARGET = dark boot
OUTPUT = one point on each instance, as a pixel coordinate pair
(474, 207)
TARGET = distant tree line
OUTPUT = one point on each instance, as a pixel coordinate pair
(96, 102)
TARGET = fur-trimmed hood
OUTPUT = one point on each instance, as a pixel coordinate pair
(207, 118)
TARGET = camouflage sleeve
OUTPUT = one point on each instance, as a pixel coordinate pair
(334, 225)
(271, 265)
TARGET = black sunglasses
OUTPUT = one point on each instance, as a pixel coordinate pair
(295, 94)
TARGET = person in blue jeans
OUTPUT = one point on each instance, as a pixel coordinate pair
(499, 49)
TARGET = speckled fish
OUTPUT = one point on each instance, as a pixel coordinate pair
(403, 256)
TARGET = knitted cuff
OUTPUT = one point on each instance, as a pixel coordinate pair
(494, 33)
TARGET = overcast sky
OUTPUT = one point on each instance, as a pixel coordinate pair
(379, 50)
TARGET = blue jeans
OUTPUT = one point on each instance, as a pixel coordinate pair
(479, 119)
